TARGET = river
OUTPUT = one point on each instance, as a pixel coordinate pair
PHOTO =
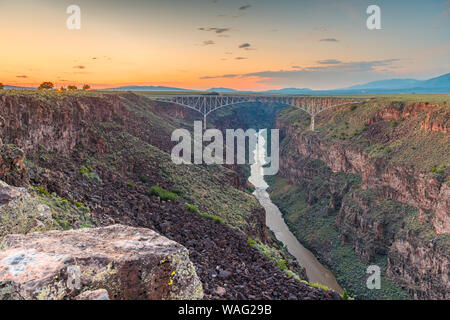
(316, 272)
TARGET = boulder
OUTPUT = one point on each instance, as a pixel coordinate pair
(100, 294)
(129, 263)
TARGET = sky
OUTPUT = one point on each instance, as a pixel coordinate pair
(240, 44)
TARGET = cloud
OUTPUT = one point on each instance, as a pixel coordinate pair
(101, 58)
(296, 67)
(246, 46)
(329, 61)
(216, 30)
(22, 76)
(323, 75)
(348, 67)
(244, 7)
(79, 67)
(224, 76)
(329, 40)
(208, 43)
(240, 58)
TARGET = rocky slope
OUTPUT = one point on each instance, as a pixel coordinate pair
(95, 160)
(393, 200)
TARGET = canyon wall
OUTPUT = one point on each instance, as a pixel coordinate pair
(368, 217)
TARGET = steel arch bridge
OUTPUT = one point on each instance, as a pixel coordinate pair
(205, 104)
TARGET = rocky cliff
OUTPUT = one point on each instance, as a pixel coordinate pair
(398, 210)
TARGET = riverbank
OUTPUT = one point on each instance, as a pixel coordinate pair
(315, 271)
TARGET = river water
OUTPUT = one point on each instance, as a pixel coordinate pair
(316, 272)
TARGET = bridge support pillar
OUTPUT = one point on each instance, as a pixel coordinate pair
(204, 122)
(313, 122)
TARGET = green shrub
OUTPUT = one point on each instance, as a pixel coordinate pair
(211, 217)
(251, 242)
(177, 191)
(345, 295)
(143, 179)
(84, 170)
(439, 170)
(191, 208)
(89, 173)
(130, 185)
(353, 108)
(319, 286)
(78, 204)
(292, 274)
(281, 264)
(42, 191)
(162, 193)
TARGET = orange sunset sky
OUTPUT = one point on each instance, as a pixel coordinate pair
(198, 44)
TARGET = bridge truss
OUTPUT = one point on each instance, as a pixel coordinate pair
(205, 104)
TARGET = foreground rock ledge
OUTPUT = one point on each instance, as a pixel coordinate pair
(129, 263)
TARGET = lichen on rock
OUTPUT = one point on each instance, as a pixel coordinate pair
(21, 212)
(124, 261)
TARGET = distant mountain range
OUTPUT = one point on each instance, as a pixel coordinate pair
(439, 84)
(435, 85)
(291, 91)
(222, 90)
(18, 88)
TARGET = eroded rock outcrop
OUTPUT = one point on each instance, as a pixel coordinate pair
(424, 266)
(127, 262)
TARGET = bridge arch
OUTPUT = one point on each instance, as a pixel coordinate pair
(206, 104)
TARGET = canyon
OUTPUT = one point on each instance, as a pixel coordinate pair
(88, 161)
(369, 187)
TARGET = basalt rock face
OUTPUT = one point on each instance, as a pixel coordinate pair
(56, 125)
(418, 264)
(422, 265)
(12, 168)
(129, 263)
